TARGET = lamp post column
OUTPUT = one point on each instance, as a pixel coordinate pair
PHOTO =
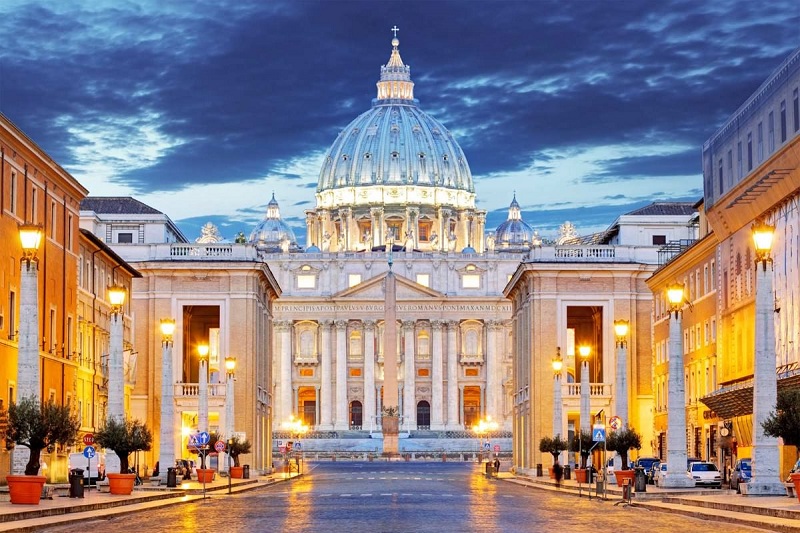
(586, 424)
(558, 422)
(676, 405)
(765, 480)
(28, 341)
(202, 389)
(116, 367)
(167, 427)
(621, 393)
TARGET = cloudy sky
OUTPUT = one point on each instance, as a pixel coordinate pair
(586, 108)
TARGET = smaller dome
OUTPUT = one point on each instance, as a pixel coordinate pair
(313, 249)
(469, 250)
(514, 234)
(273, 234)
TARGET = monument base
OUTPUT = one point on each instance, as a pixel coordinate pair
(763, 488)
(680, 481)
(391, 445)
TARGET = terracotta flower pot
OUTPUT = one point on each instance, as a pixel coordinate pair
(237, 472)
(121, 484)
(25, 490)
(796, 481)
(205, 475)
(622, 475)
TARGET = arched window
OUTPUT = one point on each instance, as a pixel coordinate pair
(356, 412)
(423, 415)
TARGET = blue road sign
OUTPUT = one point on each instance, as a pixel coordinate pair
(297, 446)
(88, 452)
(599, 434)
(203, 438)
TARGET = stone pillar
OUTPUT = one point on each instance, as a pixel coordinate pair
(202, 391)
(765, 480)
(586, 424)
(437, 377)
(493, 371)
(28, 347)
(452, 376)
(116, 370)
(409, 379)
(369, 374)
(326, 379)
(558, 416)
(676, 407)
(284, 331)
(341, 420)
(166, 456)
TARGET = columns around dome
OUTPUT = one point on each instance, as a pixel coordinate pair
(419, 228)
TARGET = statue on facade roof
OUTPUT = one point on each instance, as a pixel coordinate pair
(566, 233)
(209, 234)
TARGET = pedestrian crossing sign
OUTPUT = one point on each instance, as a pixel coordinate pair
(599, 434)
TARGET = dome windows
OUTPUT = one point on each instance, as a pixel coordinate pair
(422, 155)
(444, 157)
(395, 155)
(345, 157)
(368, 156)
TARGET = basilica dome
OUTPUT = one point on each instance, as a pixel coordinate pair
(515, 234)
(395, 153)
(272, 233)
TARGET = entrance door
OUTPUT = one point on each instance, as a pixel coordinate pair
(423, 415)
(356, 412)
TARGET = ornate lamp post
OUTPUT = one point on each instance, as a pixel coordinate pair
(30, 236)
(296, 429)
(116, 366)
(557, 364)
(584, 351)
(676, 403)
(230, 367)
(765, 478)
(202, 401)
(481, 428)
(167, 430)
(621, 328)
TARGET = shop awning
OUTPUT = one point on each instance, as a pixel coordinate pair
(737, 399)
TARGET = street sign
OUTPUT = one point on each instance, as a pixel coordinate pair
(219, 446)
(297, 446)
(88, 452)
(487, 446)
(203, 438)
(599, 433)
(615, 422)
(282, 449)
(496, 448)
(88, 439)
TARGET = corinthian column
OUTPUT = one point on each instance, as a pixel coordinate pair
(325, 377)
(369, 374)
(284, 331)
(341, 421)
(452, 376)
(409, 381)
(493, 370)
(437, 378)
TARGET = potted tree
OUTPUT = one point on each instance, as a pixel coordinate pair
(582, 443)
(123, 437)
(206, 475)
(37, 426)
(784, 422)
(621, 442)
(554, 446)
(237, 447)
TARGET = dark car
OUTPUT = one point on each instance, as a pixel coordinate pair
(647, 463)
(741, 473)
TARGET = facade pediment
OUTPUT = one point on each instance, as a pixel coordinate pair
(373, 289)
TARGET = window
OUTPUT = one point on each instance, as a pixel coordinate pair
(125, 238)
(749, 152)
(34, 206)
(659, 239)
(471, 279)
(12, 319)
(52, 330)
(730, 165)
(306, 279)
(713, 329)
(796, 110)
(471, 372)
(771, 132)
(69, 234)
(739, 159)
(13, 199)
(424, 280)
(53, 217)
(760, 142)
(713, 275)
(706, 286)
(353, 280)
(783, 121)
(307, 372)
(355, 372)
(424, 372)
(721, 178)
(706, 332)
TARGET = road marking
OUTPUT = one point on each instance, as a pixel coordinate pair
(406, 494)
(367, 494)
(386, 494)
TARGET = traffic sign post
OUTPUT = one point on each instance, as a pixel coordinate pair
(88, 439)
(615, 422)
(89, 453)
(599, 433)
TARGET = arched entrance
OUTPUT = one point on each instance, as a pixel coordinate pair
(356, 412)
(423, 415)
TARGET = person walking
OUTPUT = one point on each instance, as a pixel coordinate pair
(558, 472)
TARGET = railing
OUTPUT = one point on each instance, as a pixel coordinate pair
(573, 390)
(193, 389)
(597, 253)
(474, 359)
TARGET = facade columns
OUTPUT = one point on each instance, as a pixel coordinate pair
(452, 376)
(369, 374)
(493, 369)
(284, 331)
(409, 381)
(326, 380)
(437, 381)
(341, 421)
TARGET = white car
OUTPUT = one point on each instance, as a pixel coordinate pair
(705, 475)
(660, 474)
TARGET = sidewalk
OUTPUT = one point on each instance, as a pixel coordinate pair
(772, 513)
(94, 504)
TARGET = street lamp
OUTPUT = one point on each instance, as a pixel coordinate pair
(230, 367)
(621, 328)
(202, 402)
(765, 478)
(296, 429)
(30, 237)
(167, 429)
(557, 364)
(116, 366)
(584, 351)
(676, 389)
(481, 428)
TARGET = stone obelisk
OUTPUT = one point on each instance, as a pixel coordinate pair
(390, 411)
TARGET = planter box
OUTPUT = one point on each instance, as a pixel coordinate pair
(121, 484)
(622, 475)
(25, 490)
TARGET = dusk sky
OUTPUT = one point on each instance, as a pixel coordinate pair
(587, 109)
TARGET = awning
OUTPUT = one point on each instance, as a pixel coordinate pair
(737, 399)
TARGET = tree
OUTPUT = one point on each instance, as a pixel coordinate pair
(784, 422)
(582, 442)
(237, 447)
(38, 426)
(553, 445)
(124, 437)
(622, 441)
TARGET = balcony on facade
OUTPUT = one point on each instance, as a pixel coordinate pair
(600, 395)
(595, 253)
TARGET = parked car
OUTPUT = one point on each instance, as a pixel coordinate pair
(660, 470)
(741, 473)
(647, 463)
(705, 475)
